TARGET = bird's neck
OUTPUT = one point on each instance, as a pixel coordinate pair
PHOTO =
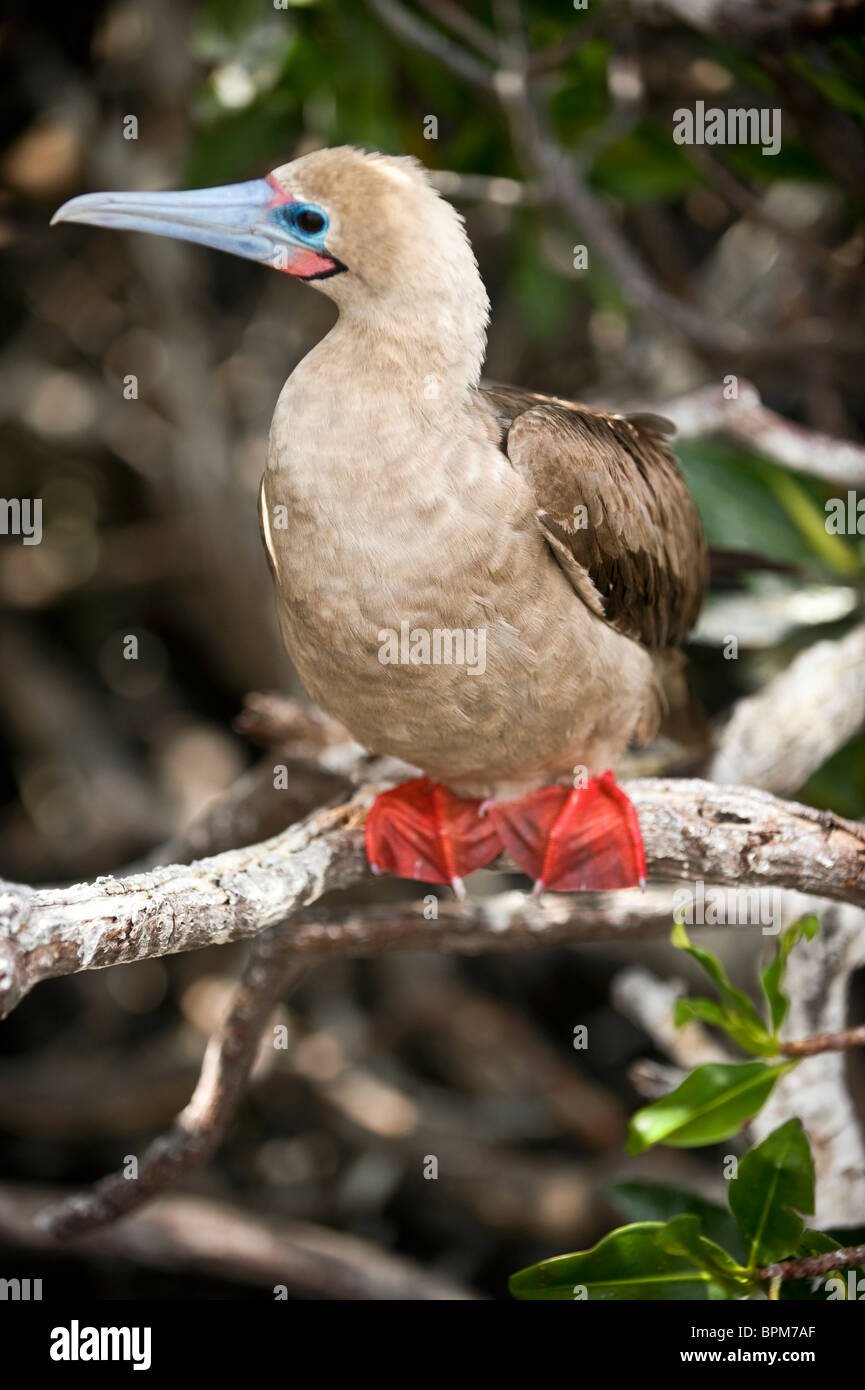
(430, 350)
(373, 389)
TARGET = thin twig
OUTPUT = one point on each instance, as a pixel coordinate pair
(407, 26)
(200, 1126)
(825, 1042)
(549, 59)
(460, 22)
(563, 183)
(813, 1265)
(753, 208)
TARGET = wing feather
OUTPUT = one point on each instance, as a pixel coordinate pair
(614, 507)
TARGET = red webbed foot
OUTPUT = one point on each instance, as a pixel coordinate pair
(568, 839)
(422, 830)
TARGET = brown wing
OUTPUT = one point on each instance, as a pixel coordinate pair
(615, 509)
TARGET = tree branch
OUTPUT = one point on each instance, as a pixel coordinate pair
(563, 184)
(818, 986)
(407, 26)
(753, 22)
(825, 1042)
(460, 22)
(772, 739)
(691, 829)
(200, 1126)
(813, 1265)
(222, 1240)
(746, 418)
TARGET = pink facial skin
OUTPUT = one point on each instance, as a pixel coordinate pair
(302, 262)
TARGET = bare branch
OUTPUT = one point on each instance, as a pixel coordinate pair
(754, 208)
(487, 189)
(825, 1042)
(650, 1003)
(691, 829)
(271, 718)
(407, 26)
(773, 740)
(460, 22)
(813, 1265)
(230, 897)
(746, 418)
(200, 1126)
(562, 182)
(818, 1093)
(780, 23)
(196, 1233)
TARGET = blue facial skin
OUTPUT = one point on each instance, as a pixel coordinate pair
(306, 223)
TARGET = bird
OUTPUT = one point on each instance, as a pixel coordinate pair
(490, 584)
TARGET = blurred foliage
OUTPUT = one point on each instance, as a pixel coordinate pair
(151, 529)
(677, 1246)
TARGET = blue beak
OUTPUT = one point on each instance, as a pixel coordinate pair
(236, 218)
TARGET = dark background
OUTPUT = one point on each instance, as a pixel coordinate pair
(150, 529)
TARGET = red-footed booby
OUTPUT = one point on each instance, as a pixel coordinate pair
(484, 582)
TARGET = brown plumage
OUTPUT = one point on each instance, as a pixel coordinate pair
(400, 495)
(609, 489)
(458, 508)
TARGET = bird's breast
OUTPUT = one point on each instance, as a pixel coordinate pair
(421, 605)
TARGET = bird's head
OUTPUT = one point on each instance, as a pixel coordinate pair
(369, 230)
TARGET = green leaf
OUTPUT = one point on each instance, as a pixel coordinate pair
(629, 1263)
(683, 1236)
(655, 1201)
(739, 1017)
(750, 1039)
(772, 978)
(810, 519)
(706, 1010)
(816, 1242)
(715, 1101)
(813, 1242)
(739, 507)
(840, 90)
(846, 1235)
(839, 785)
(733, 518)
(775, 1183)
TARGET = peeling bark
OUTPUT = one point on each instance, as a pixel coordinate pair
(692, 830)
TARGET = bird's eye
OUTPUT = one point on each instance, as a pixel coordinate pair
(307, 219)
